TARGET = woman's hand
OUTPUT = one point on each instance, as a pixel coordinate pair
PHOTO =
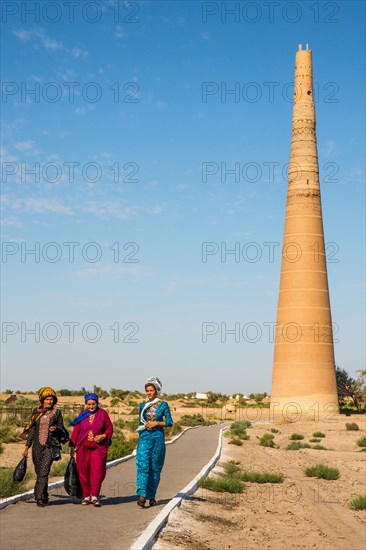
(151, 424)
(99, 438)
(25, 452)
(52, 428)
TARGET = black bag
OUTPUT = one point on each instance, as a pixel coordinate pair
(71, 482)
(20, 470)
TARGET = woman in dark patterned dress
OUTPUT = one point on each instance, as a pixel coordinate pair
(45, 433)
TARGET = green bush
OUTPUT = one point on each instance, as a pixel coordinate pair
(296, 437)
(224, 484)
(9, 433)
(358, 503)
(7, 487)
(132, 425)
(58, 469)
(192, 420)
(352, 426)
(319, 447)
(296, 445)
(267, 440)
(362, 441)
(314, 440)
(244, 423)
(321, 471)
(232, 470)
(1, 448)
(261, 477)
(274, 431)
(120, 423)
(120, 447)
(176, 429)
(236, 441)
(318, 434)
(238, 429)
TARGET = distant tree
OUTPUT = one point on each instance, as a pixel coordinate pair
(100, 392)
(348, 387)
(65, 392)
(120, 394)
(8, 391)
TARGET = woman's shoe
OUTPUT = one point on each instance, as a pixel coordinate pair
(85, 501)
(141, 502)
(152, 502)
(95, 502)
(40, 503)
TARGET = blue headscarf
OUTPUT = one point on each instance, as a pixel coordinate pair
(86, 413)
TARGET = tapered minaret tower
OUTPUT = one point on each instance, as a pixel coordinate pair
(304, 369)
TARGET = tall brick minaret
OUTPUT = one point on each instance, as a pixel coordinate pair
(304, 368)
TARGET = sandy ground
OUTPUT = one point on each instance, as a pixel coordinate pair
(301, 512)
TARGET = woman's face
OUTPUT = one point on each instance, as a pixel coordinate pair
(91, 405)
(48, 402)
(151, 392)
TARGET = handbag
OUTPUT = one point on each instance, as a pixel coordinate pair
(20, 470)
(71, 481)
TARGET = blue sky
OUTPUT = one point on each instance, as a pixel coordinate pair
(128, 131)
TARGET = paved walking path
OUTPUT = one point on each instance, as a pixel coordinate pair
(66, 524)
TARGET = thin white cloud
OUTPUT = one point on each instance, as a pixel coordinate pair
(39, 36)
(40, 206)
(79, 53)
(119, 32)
(11, 222)
(27, 147)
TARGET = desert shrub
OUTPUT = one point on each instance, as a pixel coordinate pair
(296, 437)
(318, 434)
(358, 503)
(115, 401)
(192, 420)
(173, 430)
(232, 470)
(352, 426)
(274, 431)
(314, 440)
(244, 423)
(222, 484)
(58, 469)
(134, 410)
(120, 447)
(236, 441)
(267, 440)
(7, 487)
(296, 445)
(119, 423)
(362, 441)
(238, 429)
(321, 471)
(319, 447)
(1, 448)
(261, 477)
(9, 434)
(132, 425)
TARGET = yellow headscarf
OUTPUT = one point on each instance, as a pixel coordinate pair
(46, 391)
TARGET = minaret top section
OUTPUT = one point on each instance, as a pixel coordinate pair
(303, 75)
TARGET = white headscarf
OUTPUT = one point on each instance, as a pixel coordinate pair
(154, 381)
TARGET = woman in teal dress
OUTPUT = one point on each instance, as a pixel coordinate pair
(150, 455)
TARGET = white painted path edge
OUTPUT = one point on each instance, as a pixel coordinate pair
(57, 484)
(147, 539)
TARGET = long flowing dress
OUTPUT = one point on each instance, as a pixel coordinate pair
(150, 454)
(42, 453)
(91, 457)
